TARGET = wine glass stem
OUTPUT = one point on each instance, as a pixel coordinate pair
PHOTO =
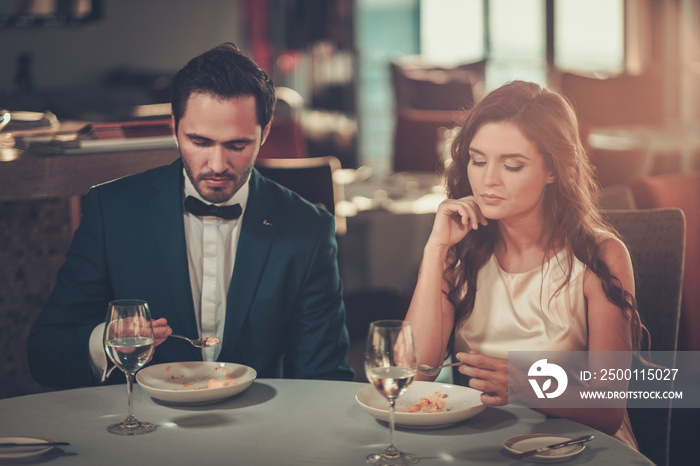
(130, 393)
(392, 404)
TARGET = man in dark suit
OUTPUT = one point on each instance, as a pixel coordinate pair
(212, 246)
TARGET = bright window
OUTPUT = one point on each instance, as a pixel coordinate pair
(589, 35)
(452, 31)
(517, 42)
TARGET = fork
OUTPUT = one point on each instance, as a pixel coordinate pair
(199, 342)
(430, 370)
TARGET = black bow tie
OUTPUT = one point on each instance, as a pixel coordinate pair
(200, 209)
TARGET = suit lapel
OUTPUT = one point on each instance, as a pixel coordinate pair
(168, 225)
(257, 232)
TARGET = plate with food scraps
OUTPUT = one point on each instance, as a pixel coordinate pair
(424, 404)
(195, 382)
(527, 442)
(22, 453)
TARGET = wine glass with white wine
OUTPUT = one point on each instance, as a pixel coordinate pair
(128, 340)
(390, 364)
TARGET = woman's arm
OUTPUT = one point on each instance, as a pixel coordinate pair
(608, 330)
(430, 313)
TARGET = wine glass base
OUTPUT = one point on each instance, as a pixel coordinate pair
(392, 459)
(137, 428)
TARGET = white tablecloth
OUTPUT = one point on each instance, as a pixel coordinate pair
(274, 422)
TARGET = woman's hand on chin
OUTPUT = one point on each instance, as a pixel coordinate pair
(453, 220)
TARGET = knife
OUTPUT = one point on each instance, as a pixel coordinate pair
(38, 444)
(554, 446)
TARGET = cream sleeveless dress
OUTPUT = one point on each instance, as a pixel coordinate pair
(524, 312)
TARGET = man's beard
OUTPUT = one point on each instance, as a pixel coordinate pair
(214, 195)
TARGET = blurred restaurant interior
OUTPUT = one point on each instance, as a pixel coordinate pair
(377, 85)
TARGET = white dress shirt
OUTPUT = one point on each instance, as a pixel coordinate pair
(211, 254)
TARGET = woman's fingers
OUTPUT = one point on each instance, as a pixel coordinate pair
(455, 218)
(493, 394)
(470, 212)
(494, 399)
(488, 375)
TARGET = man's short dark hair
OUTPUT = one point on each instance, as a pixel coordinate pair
(223, 72)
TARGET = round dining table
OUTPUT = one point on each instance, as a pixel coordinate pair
(274, 422)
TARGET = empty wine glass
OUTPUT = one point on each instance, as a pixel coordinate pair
(390, 364)
(128, 340)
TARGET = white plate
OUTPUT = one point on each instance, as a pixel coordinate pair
(187, 382)
(528, 442)
(460, 403)
(23, 453)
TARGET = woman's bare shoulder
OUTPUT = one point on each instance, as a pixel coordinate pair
(613, 250)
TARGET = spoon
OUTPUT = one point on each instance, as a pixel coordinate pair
(200, 342)
(430, 370)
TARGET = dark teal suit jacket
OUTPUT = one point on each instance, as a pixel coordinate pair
(285, 315)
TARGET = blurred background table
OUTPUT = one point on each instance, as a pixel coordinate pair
(25, 175)
(389, 220)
